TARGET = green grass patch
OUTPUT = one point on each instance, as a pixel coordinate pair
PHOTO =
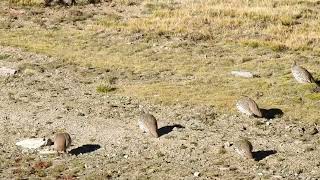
(265, 44)
(105, 89)
(4, 56)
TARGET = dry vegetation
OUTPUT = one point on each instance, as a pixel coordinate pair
(184, 50)
(88, 68)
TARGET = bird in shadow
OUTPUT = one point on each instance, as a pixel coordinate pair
(87, 148)
(259, 155)
(167, 129)
(272, 113)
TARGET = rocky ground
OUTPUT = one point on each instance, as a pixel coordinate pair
(48, 95)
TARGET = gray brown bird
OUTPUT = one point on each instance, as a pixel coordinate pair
(244, 148)
(65, 2)
(249, 107)
(148, 123)
(61, 142)
(301, 74)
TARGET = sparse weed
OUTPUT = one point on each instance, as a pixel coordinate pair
(105, 89)
(4, 56)
(25, 2)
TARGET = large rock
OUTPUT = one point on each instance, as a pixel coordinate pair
(4, 71)
(32, 143)
(244, 74)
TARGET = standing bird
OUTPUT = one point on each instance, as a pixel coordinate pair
(301, 74)
(244, 148)
(148, 124)
(61, 142)
(249, 107)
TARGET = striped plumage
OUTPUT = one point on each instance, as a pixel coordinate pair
(249, 107)
(61, 142)
(148, 123)
(301, 74)
(244, 148)
(65, 2)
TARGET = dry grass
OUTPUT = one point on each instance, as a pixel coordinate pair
(186, 48)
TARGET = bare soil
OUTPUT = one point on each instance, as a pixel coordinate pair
(48, 95)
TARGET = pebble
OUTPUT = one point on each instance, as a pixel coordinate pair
(196, 174)
(47, 152)
(313, 131)
(227, 144)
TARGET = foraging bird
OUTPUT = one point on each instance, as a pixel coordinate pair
(244, 148)
(65, 2)
(301, 74)
(68, 2)
(61, 142)
(148, 124)
(249, 107)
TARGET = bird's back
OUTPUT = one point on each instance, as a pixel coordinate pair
(301, 74)
(148, 123)
(248, 106)
(244, 148)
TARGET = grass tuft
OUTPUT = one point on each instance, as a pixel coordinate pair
(105, 89)
(4, 56)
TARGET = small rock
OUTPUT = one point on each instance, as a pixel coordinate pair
(80, 114)
(317, 89)
(244, 74)
(221, 150)
(277, 56)
(277, 176)
(196, 174)
(4, 71)
(313, 131)
(151, 170)
(32, 143)
(48, 152)
(227, 144)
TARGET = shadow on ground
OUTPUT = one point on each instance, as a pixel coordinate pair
(272, 113)
(167, 129)
(259, 155)
(317, 89)
(87, 148)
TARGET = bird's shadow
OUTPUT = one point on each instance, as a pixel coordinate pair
(317, 89)
(167, 129)
(259, 155)
(87, 148)
(272, 113)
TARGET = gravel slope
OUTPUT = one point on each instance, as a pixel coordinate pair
(48, 96)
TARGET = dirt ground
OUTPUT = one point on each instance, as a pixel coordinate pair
(48, 95)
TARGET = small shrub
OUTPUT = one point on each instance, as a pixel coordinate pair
(105, 89)
(314, 96)
(4, 56)
(25, 2)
